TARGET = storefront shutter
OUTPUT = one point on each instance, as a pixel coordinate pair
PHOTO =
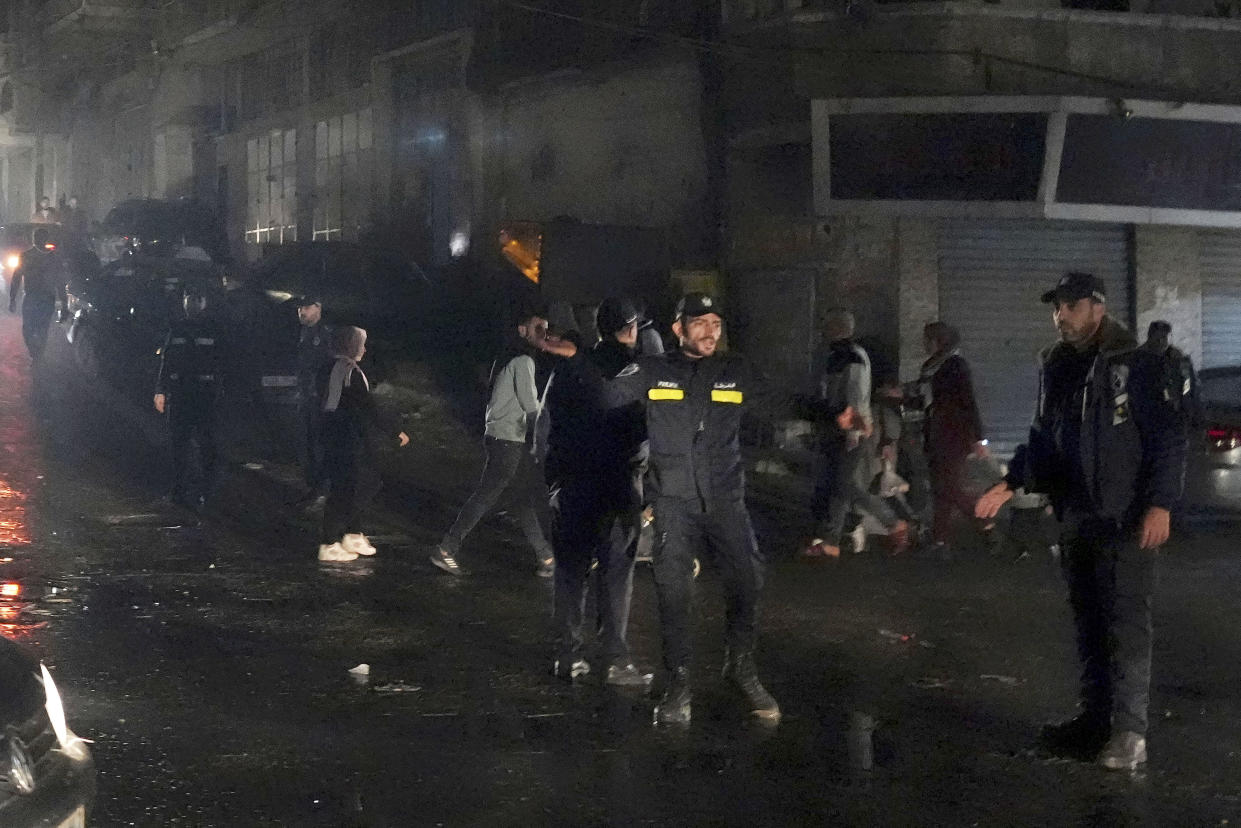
(1220, 259)
(991, 275)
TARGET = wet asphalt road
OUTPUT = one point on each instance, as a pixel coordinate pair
(209, 663)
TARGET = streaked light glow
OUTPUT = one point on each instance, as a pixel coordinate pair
(74, 747)
(522, 244)
(9, 589)
(459, 243)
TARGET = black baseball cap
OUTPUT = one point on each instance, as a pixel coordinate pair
(1074, 286)
(614, 314)
(699, 304)
(309, 299)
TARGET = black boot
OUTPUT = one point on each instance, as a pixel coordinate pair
(1081, 737)
(739, 668)
(674, 707)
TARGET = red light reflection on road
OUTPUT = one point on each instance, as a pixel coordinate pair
(14, 531)
(20, 456)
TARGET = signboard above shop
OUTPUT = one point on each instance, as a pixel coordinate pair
(1076, 158)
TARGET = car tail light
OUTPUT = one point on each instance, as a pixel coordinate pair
(10, 590)
(1223, 438)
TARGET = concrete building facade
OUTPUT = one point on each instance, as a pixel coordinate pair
(319, 120)
(899, 260)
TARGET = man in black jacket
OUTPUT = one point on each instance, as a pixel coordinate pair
(314, 350)
(594, 473)
(1180, 378)
(43, 278)
(1109, 449)
(186, 390)
(694, 401)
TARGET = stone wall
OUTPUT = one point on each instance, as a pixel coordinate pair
(1169, 284)
(623, 148)
(918, 268)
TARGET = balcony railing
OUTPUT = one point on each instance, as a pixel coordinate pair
(96, 16)
(182, 19)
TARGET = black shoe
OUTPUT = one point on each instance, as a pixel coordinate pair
(1081, 737)
(446, 562)
(674, 707)
(740, 670)
(570, 668)
(627, 675)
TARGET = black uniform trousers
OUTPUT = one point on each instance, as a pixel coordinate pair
(595, 518)
(191, 421)
(509, 467)
(682, 530)
(313, 467)
(1111, 582)
(37, 313)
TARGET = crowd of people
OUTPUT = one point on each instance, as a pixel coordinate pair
(600, 434)
(614, 431)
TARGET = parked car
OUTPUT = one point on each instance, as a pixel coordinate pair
(161, 227)
(1213, 481)
(121, 313)
(49, 775)
(371, 286)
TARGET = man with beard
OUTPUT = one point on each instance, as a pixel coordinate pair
(695, 397)
(517, 397)
(1110, 450)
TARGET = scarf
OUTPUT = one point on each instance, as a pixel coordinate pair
(348, 342)
(929, 369)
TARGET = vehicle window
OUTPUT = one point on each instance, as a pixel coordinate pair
(294, 273)
(16, 236)
(1221, 389)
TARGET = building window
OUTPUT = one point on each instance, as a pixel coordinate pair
(343, 162)
(265, 83)
(271, 187)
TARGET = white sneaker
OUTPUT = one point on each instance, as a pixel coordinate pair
(335, 553)
(858, 536)
(358, 544)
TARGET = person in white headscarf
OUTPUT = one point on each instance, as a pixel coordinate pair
(353, 429)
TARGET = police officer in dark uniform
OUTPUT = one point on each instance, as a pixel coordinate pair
(1109, 449)
(694, 401)
(314, 351)
(186, 390)
(594, 468)
(41, 274)
(1180, 379)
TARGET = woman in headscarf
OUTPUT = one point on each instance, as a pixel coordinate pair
(353, 429)
(953, 426)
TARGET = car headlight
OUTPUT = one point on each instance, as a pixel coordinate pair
(73, 746)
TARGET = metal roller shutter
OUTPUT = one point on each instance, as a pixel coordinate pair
(1220, 257)
(991, 275)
